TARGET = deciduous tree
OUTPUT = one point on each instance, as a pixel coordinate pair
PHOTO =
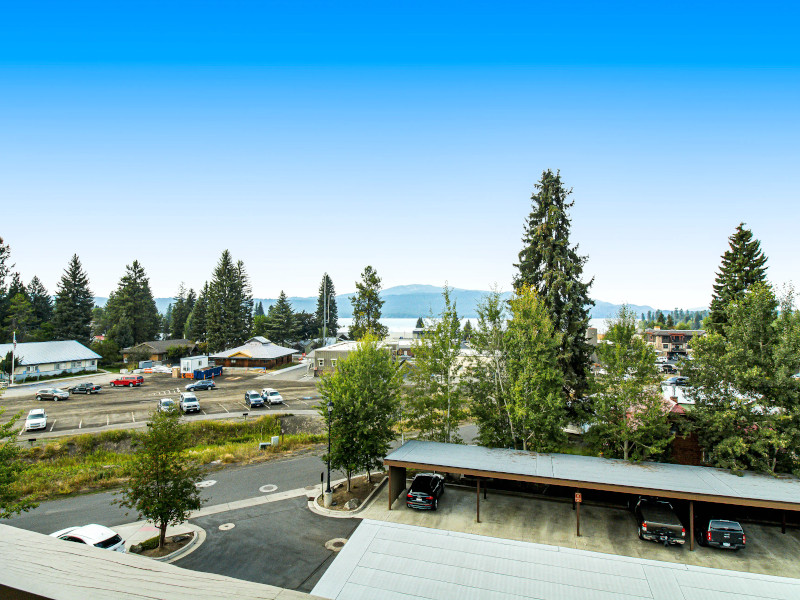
(162, 483)
(11, 467)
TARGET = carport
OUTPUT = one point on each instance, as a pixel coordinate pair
(676, 482)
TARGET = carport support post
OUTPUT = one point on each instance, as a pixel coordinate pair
(478, 501)
(691, 525)
(397, 482)
(578, 518)
(783, 521)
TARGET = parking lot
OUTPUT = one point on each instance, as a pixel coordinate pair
(132, 406)
(606, 529)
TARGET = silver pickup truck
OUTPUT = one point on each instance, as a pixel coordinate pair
(658, 522)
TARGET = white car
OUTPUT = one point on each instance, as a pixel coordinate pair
(189, 403)
(166, 405)
(37, 419)
(92, 535)
(271, 396)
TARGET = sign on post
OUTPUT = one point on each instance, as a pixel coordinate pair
(578, 497)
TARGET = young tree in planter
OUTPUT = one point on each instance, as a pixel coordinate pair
(162, 483)
(538, 403)
(436, 402)
(630, 419)
(11, 466)
(365, 392)
(367, 305)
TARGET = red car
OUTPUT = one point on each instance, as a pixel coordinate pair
(128, 381)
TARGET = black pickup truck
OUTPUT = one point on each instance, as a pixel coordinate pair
(85, 388)
(721, 533)
(658, 522)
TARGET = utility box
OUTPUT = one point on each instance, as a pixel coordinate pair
(190, 364)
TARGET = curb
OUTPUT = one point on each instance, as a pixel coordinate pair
(197, 540)
(314, 506)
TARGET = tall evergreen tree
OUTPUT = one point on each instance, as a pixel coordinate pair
(229, 314)
(184, 303)
(554, 269)
(16, 286)
(367, 305)
(72, 316)
(420, 323)
(196, 323)
(281, 323)
(259, 312)
(41, 302)
(743, 265)
(132, 309)
(20, 319)
(327, 300)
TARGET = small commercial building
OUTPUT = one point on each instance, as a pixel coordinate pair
(36, 359)
(191, 363)
(673, 343)
(324, 360)
(256, 353)
(157, 349)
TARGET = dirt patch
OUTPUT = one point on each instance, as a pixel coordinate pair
(294, 424)
(359, 488)
(171, 544)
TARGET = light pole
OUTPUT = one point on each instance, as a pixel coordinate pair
(330, 415)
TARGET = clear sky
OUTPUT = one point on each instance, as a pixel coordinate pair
(318, 136)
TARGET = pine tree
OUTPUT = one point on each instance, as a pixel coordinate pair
(326, 307)
(41, 302)
(281, 322)
(466, 334)
(229, 313)
(259, 312)
(420, 324)
(17, 286)
(669, 323)
(196, 323)
(132, 309)
(554, 269)
(72, 316)
(184, 303)
(20, 318)
(367, 305)
(743, 265)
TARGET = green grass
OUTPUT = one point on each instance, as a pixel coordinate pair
(101, 461)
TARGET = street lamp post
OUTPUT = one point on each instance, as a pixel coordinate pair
(330, 415)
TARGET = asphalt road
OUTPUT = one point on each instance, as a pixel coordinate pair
(281, 544)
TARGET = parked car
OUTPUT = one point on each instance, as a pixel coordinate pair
(425, 490)
(36, 419)
(721, 533)
(658, 522)
(668, 368)
(128, 381)
(661, 359)
(189, 403)
(166, 405)
(54, 394)
(85, 388)
(253, 398)
(679, 380)
(93, 535)
(271, 396)
(204, 384)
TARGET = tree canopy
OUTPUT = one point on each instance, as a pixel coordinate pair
(72, 317)
(367, 306)
(229, 310)
(131, 309)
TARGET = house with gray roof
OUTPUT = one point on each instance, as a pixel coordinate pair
(256, 353)
(157, 349)
(36, 359)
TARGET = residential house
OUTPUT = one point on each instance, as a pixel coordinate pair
(674, 343)
(36, 359)
(324, 360)
(256, 353)
(157, 349)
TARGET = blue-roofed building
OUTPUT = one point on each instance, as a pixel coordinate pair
(35, 359)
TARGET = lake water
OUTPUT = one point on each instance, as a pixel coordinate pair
(404, 327)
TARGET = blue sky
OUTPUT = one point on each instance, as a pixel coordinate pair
(310, 137)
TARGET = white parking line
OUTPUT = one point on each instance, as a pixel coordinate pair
(80, 424)
(108, 419)
(53, 425)
(133, 417)
(21, 431)
(202, 411)
(226, 410)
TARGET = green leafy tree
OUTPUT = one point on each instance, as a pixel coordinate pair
(367, 306)
(131, 308)
(538, 403)
(365, 392)
(11, 467)
(746, 402)
(326, 307)
(41, 302)
(109, 352)
(436, 401)
(72, 317)
(176, 353)
(229, 315)
(554, 269)
(281, 322)
(163, 477)
(261, 325)
(20, 318)
(6, 363)
(486, 378)
(196, 328)
(630, 419)
(743, 265)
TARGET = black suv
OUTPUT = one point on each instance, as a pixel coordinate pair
(203, 384)
(425, 491)
(85, 388)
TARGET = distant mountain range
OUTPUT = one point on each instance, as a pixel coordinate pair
(412, 301)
